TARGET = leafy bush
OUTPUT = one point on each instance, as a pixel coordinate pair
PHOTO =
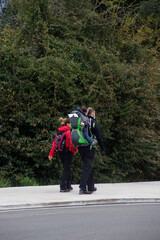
(58, 57)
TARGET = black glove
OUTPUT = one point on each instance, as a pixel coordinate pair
(103, 153)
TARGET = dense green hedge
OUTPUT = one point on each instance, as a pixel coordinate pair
(56, 55)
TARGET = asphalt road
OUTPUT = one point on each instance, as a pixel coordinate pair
(109, 222)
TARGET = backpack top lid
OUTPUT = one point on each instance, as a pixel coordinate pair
(76, 117)
(78, 113)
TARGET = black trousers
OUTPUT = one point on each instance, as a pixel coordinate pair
(66, 158)
(87, 179)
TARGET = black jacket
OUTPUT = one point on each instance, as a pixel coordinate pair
(96, 131)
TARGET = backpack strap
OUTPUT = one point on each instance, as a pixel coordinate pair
(57, 159)
(62, 138)
(90, 127)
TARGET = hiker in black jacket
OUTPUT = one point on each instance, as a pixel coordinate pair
(87, 154)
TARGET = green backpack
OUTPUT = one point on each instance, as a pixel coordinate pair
(78, 121)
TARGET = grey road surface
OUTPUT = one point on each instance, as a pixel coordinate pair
(109, 222)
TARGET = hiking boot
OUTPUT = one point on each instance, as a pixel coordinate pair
(64, 190)
(94, 189)
(84, 192)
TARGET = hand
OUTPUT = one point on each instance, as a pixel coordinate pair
(50, 157)
(103, 153)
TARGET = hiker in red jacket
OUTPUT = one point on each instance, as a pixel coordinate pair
(65, 149)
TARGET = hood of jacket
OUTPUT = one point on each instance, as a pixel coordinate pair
(64, 128)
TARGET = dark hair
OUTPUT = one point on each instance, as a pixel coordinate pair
(89, 111)
(84, 109)
(64, 121)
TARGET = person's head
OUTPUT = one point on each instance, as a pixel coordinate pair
(65, 122)
(91, 112)
(84, 109)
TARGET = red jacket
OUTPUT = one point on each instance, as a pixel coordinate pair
(68, 142)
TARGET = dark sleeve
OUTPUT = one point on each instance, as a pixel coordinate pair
(96, 131)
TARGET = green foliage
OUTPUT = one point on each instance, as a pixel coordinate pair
(57, 55)
(16, 181)
(4, 182)
(149, 31)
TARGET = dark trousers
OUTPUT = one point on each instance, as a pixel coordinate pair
(66, 158)
(87, 178)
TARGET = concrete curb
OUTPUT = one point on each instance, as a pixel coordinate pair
(49, 196)
(81, 203)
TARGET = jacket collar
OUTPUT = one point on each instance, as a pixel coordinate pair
(91, 117)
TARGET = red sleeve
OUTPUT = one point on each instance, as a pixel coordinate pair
(51, 153)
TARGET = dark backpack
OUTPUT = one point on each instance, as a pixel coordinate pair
(59, 144)
(78, 121)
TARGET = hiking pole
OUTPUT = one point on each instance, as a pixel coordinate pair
(57, 159)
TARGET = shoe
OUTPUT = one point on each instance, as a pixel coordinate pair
(95, 189)
(70, 189)
(64, 190)
(84, 192)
